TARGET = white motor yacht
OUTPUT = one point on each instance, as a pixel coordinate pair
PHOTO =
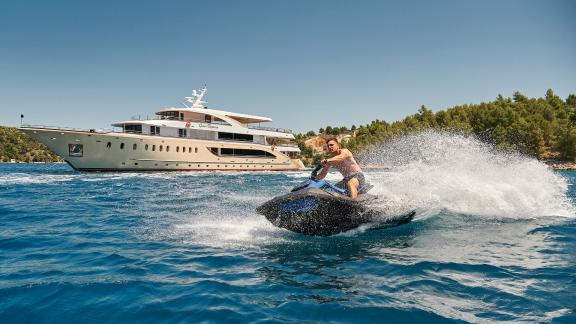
(192, 137)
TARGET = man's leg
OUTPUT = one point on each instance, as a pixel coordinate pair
(353, 187)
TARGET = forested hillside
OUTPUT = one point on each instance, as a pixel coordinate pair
(15, 145)
(541, 127)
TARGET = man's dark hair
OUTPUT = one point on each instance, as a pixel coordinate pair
(332, 139)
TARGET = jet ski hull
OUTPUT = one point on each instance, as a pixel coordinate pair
(317, 212)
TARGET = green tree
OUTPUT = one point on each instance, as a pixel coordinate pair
(571, 101)
(553, 99)
(567, 145)
(518, 97)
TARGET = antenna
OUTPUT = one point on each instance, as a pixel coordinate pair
(185, 105)
(21, 117)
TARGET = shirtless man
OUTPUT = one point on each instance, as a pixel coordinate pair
(343, 160)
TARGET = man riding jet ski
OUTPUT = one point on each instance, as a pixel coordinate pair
(316, 207)
(343, 160)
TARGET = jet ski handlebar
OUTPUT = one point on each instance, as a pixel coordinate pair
(315, 171)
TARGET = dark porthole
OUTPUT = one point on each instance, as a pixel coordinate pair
(167, 148)
(136, 163)
(134, 146)
(189, 150)
(195, 150)
(146, 147)
(160, 148)
(121, 146)
(109, 145)
(177, 148)
(153, 147)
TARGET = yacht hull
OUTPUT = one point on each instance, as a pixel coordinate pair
(97, 151)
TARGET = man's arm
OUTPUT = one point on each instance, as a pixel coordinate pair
(327, 163)
(344, 154)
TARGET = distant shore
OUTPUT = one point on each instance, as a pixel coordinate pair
(563, 166)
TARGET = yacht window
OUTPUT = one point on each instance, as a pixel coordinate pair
(121, 146)
(154, 130)
(195, 150)
(207, 118)
(182, 132)
(181, 116)
(242, 152)
(177, 148)
(153, 147)
(133, 128)
(235, 137)
(172, 115)
(146, 147)
(160, 148)
(189, 150)
(167, 148)
(109, 145)
(226, 136)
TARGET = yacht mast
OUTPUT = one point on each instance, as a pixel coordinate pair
(196, 98)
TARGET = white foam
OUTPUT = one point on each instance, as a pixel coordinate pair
(439, 171)
(26, 178)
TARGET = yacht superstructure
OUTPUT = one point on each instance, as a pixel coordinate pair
(192, 137)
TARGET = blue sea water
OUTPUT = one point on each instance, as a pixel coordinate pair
(189, 247)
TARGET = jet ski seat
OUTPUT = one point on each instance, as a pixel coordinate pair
(339, 188)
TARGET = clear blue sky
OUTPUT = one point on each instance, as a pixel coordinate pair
(305, 64)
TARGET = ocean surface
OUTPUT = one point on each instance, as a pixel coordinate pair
(494, 239)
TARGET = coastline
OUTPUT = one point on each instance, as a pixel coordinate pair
(565, 166)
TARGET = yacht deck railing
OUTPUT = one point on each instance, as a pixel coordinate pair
(72, 129)
(202, 121)
(271, 129)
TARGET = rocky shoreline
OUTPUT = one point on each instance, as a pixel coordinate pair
(563, 166)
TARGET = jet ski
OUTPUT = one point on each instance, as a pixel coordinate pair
(317, 207)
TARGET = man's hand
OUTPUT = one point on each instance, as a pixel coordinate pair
(324, 162)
